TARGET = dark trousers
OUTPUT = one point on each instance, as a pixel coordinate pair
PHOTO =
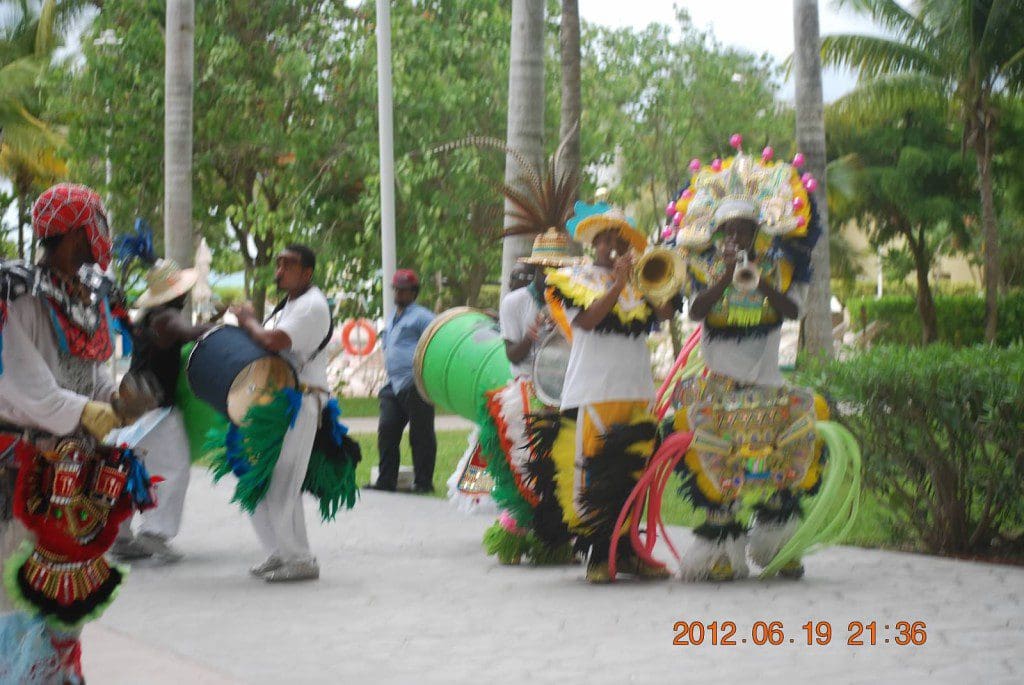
(397, 410)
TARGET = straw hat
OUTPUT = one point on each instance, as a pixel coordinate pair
(551, 248)
(166, 282)
(612, 219)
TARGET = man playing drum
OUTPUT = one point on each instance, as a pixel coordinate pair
(506, 441)
(296, 332)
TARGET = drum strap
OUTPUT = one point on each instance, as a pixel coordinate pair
(330, 328)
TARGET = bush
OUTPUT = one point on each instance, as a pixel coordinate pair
(847, 290)
(961, 318)
(940, 429)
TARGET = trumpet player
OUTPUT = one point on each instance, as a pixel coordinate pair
(605, 434)
(744, 286)
(753, 359)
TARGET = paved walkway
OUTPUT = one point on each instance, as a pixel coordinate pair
(407, 596)
(444, 422)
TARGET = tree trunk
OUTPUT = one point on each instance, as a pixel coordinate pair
(179, 53)
(259, 297)
(525, 112)
(990, 234)
(810, 139)
(925, 299)
(22, 213)
(572, 107)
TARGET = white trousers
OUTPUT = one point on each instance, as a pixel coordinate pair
(278, 519)
(164, 450)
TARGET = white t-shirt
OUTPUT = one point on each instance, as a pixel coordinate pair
(606, 367)
(517, 311)
(306, 320)
(754, 359)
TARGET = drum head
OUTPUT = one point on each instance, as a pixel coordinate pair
(549, 368)
(256, 385)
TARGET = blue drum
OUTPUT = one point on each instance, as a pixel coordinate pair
(231, 372)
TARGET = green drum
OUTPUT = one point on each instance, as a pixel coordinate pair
(199, 416)
(459, 357)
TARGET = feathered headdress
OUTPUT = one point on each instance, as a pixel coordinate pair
(771, 194)
(540, 198)
(136, 245)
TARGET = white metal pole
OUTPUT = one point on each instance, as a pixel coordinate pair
(387, 154)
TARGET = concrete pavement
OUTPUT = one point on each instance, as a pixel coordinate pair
(443, 422)
(406, 595)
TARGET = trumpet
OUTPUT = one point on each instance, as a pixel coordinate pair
(659, 274)
(747, 275)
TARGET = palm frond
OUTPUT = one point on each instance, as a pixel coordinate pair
(894, 18)
(874, 56)
(45, 30)
(888, 97)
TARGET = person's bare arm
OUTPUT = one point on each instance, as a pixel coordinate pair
(172, 327)
(595, 313)
(517, 351)
(781, 303)
(268, 339)
(706, 299)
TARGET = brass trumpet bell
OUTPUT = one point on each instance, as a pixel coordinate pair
(659, 274)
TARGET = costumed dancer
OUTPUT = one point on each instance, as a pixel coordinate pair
(524, 322)
(159, 436)
(63, 493)
(295, 443)
(600, 444)
(747, 230)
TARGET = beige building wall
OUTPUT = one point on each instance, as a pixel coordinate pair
(948, 269)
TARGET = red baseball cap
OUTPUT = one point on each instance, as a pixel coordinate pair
(405, 278)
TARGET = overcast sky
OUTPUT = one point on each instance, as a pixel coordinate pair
(757, 25)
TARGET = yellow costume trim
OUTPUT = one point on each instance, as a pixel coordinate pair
(704, 483)
(821, 413)
(747, 310)
(582, 286)
(563, 454)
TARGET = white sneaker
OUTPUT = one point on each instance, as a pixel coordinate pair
(129, 549)
(301, 569)
(271, 563)
(158, 548)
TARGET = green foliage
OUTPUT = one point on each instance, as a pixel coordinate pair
(961, 318)
(272, 157)
(940, 430)
(655, 98)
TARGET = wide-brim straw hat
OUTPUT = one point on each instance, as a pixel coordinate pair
(551, 248)
(614, 219)
(166, 282)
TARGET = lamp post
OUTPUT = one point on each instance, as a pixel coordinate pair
(387, 155)
(108, 38)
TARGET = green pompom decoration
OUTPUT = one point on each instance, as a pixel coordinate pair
(507, 546)
(833, 510)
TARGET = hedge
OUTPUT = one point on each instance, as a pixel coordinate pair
(942, 432)
(961, 318)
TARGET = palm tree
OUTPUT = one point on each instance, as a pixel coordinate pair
(178, 73)
(28, 147)
(966, 53)
(525, 113)
(569, 125)
(810, 139)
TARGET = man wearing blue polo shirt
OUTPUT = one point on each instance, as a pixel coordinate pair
(400, 402)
